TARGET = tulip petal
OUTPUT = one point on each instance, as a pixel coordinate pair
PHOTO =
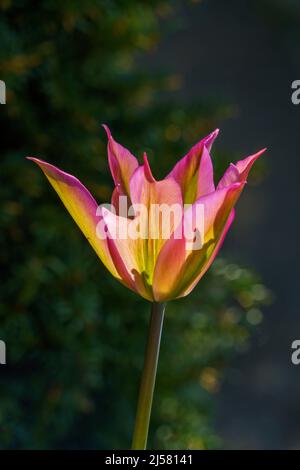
(121, 162)
(149, 197)
(124, 251)
(81, 206)
(213, 255)
(147, 170)
(188, 265)
(239, 171)
(194, 172)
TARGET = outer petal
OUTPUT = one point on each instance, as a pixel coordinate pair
(81, 206)
(239, 171)
(187, 265)
(212, 256)
(194, 172)
(121, 162)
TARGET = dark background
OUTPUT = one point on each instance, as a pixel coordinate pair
(162, 74)
(249, 55)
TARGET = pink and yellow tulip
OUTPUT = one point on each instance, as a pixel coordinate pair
(157, 269)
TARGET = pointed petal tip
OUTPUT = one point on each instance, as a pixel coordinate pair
(209, 140)
(259, 153)
(148, 173)
(244, 166)
(37, 161)
(41, 163)
(107, 130)
(56, 173)
(212, 135)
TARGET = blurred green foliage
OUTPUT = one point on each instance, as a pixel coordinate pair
(75, 337)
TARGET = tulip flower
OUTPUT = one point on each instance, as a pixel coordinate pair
(156, 267)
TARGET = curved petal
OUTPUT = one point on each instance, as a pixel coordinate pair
(187, 264)
(212, 256)
(125, 254)
(194, 172)
(239, 171)
(122, 163)
(81, 206)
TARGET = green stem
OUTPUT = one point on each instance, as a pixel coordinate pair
(143, 413)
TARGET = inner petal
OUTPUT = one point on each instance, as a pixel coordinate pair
(157, 207)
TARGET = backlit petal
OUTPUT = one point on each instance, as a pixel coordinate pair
(211, 258)
(239, 171)
(121, 162)
(194, 172)
(179, 266)
(125, 254)
(153, 197)
(81, 206)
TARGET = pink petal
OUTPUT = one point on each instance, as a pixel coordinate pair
(147, 170)
(239, 171)
(213, 255)
(178, 267)
(148, 193)
(146, 190)
(121, 162)
(194, 172)
(81, 206)
(125, 253)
